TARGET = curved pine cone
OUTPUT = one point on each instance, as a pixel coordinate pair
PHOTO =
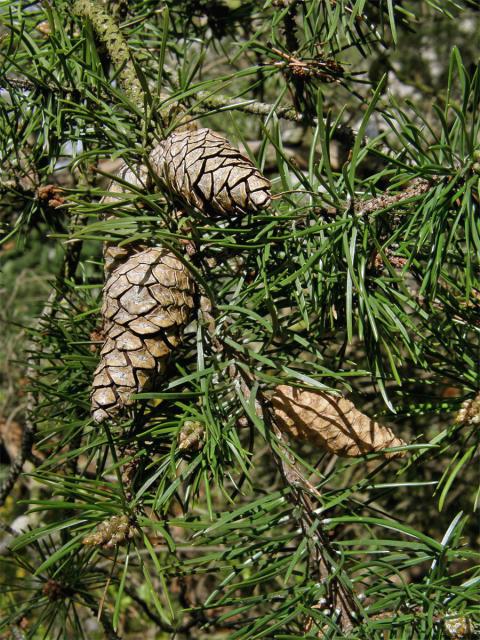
(331, 423)
(146, 304)
(203, 169)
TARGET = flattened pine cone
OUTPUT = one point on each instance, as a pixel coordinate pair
(331, 423)
(203, 169)
(146, 304)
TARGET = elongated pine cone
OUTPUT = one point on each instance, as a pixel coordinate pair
(203, 169)
(147, 301)
(331, 423)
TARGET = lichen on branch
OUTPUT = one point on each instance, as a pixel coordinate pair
(110, 35)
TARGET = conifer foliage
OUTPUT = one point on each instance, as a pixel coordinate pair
(239, 390)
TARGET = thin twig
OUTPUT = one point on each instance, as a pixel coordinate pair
(207, 100)
(105, 620)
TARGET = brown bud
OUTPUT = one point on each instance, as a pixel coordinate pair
(96, 337)
(54, 590)
(332, 423)
(51, 195)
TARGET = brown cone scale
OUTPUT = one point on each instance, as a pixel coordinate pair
(331, 423)
(147, 301)
(206, 172)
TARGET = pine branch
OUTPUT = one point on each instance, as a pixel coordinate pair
(69, 265)
(418, 187)
(341, 600)
(110, 35)
(218, 102)
(300, 294)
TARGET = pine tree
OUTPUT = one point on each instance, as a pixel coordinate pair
(240, 380)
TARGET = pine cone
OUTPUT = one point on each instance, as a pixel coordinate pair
(469, 412)
(331, 423)
(191, 436)
(111, 533)
(458, 627)
(146, 304)
(203, 169)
